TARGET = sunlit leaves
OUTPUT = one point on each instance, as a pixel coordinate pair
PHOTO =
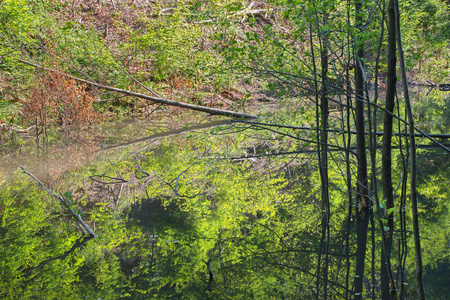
(16, 22)
(171, 46)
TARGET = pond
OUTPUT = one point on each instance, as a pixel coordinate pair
(199, 207)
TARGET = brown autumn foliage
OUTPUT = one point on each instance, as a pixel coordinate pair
(57, 100)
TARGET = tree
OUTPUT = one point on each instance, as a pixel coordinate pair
(388, 193)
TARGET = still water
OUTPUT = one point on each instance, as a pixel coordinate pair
(204, 208)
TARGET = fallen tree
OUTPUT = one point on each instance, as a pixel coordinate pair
(209, 110)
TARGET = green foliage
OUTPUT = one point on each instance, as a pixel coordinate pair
(426, 32)
(171, 46)
(17, 25)
(85, 49)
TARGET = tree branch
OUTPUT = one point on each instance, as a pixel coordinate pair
(64, 202)
(212, 111)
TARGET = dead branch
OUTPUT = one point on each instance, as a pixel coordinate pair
(64, 202)
(211, 111)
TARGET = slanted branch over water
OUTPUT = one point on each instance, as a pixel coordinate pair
(209, 110)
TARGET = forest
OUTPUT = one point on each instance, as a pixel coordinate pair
(224, 149)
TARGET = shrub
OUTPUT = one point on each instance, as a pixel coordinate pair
(57, 100)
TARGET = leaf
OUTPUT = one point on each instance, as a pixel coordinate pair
(390, 210)
(68, 25)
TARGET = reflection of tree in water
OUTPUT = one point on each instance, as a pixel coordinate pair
(433, 184)
(433, 112)
(151, 214)
(79, 243)
(433, 191)
(141, 260)
(436, 279)
(257, 255)
(272, 255)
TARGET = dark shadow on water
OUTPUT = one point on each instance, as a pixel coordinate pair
(152, 215)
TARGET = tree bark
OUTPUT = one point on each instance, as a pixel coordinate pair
(362, 192)
(386, 171)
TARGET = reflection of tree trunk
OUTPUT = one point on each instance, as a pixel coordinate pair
(78, 244)
(386, 174)
(169, 133)
(415, 217)
(211, 275)
(222, 266)
(365, 203)
(323, 166)
(65, 203)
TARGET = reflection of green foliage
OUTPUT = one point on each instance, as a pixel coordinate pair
(27, 230)
(247, 222)
(259, 227)
(433, 112)
(37, 231)
(433, 188)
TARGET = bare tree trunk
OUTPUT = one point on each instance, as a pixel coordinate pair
(347, 161)
(386, 173)
(415, 214)
(323, 163)
(362, 192)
